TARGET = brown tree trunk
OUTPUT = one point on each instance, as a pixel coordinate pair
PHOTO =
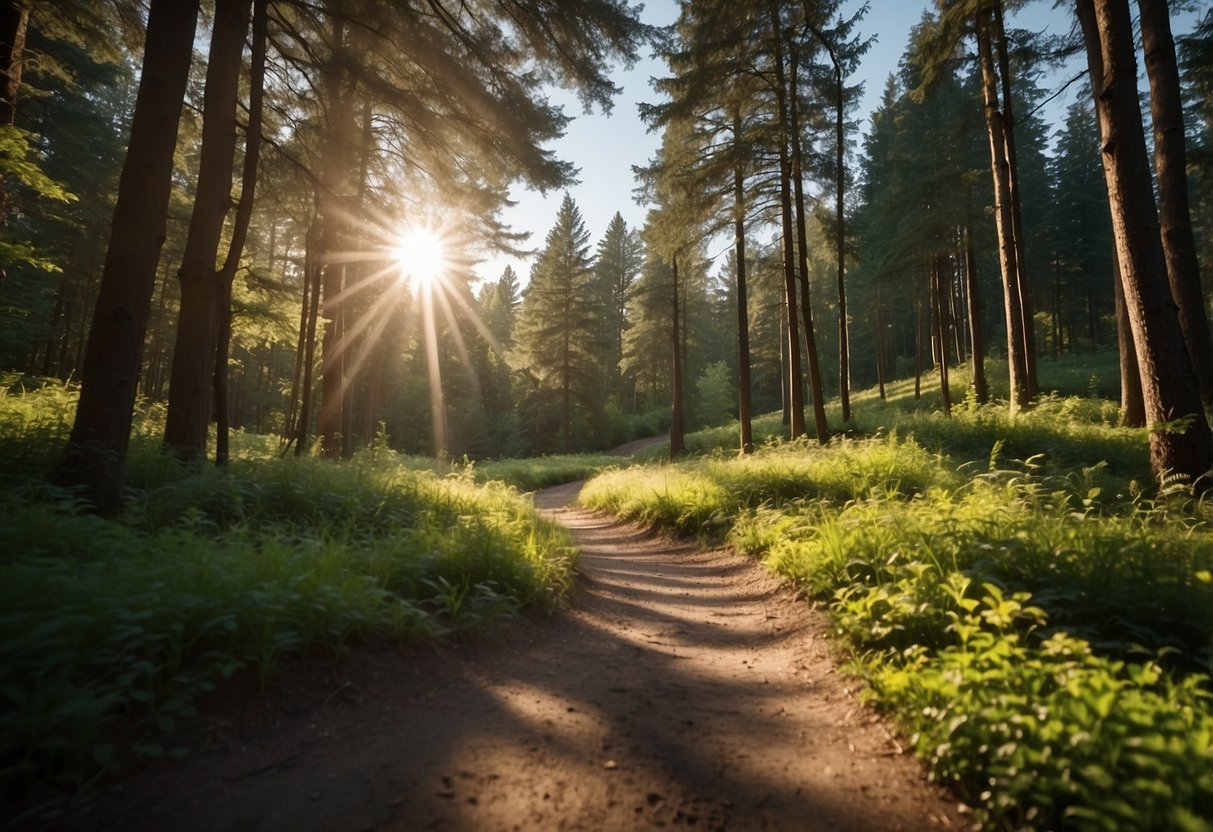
(792, 369)
(940, 334)
(785, 395)
(1132, 406)
(880, 344)
(918, 346)
(191, 382)
(981, 388)
(313, 274)
(1170, 164)
(744, 402)
(96, 452)
(840, 182)
(677, 420)
(1180, 442)
(802, 248)
(337, 180)
(244, 213)
(1022, 283)
(1020, 385)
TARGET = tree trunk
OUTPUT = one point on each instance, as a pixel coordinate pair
(191, 382)
(918, 347)
(941, 329)
(1022, 283)
(785, 387)
(1132, 406)
(96, 453)
(1180, 442)
(1020, 385)
(744, 401)
(880, 344)
(677, 420)
(1170, 164)
(313, 274)
(981, 388)
(244, 213)
(840, 182)
(802, 247)
(792, 370)
(337, 180)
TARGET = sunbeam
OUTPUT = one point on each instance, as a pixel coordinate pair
(421, 256)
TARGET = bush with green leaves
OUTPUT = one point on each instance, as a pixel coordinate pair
(1042, 627)
(210, 571)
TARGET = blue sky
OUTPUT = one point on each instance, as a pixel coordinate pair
(606, 147)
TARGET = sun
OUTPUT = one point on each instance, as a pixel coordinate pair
(421, 256)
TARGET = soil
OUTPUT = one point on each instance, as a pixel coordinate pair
(681, 687)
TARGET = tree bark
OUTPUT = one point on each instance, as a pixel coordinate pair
(244, 213)
(880, 344)
(744, 401)
(337, 180)
(1020, 386)
(313, 274)
(940, 333)
(792, 370)
(192, 375)
(840, 182)
(96, 452)
(677, 420)
(981, 388)
(1171, 167)
(1132, 406)
(1180, 442)
(917, 345)
(1022, 283)
(802, 248)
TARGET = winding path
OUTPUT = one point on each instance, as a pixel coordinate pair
(682, 688)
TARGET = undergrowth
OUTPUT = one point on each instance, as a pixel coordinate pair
(207, 572)
(1038, 622)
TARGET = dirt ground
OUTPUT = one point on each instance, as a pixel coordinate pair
(680, 688)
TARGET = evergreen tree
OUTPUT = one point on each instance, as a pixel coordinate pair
(1082, 231)
(620, 255)
(556, 336)
(96, 452)
(1180, 442)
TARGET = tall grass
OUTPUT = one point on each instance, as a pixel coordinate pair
(1039, 621)
(207, 572)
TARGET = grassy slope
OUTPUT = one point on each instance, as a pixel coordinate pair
(207, 572)
(1040, 626)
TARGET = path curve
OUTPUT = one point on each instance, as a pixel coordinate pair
(682, 688)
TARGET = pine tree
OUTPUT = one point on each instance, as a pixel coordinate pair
(1180, 442)
(620, 255)
(557, 327)
(96, 452)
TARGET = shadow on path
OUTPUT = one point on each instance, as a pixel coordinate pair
(681, 688)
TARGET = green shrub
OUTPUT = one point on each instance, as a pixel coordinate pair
(209, 571)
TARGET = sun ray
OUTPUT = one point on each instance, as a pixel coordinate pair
(420, 254)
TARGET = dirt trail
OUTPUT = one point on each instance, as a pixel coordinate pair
(682, 688)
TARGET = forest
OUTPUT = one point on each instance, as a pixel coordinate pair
(945, 371)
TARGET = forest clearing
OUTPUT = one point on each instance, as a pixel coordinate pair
(898, 330)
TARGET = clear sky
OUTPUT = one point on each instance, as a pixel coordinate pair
(604, 148)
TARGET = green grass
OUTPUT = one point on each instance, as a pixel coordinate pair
(1016, 593)
(207, 572)
(541, 472)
